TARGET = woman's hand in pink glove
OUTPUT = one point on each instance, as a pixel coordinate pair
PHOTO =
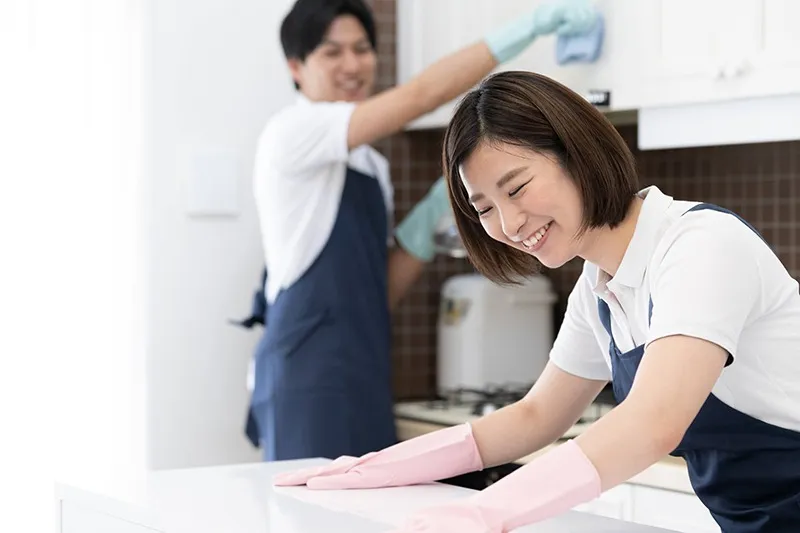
(438, 455)
(339, 466)
(549, 485)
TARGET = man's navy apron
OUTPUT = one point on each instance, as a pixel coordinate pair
(745, 471)
(322, 368)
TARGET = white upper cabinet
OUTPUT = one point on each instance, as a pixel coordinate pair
(690, 62)
(429, 29)
(700, 51)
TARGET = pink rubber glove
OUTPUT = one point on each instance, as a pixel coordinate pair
(548, 486)
(437, 455)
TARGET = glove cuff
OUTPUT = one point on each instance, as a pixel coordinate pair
(415, 233)
(507, 42)
(548, 486)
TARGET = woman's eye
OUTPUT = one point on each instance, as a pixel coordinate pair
(482, 212)
(517, 190)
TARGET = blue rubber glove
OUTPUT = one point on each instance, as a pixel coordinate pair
(416, 231)
(563, 17)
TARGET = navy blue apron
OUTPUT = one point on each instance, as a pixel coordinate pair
(745, 471)
(258, 315)
(322, 368)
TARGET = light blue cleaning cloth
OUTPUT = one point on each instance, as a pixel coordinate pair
(581, 48)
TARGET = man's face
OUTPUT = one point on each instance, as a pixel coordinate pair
(341, 68)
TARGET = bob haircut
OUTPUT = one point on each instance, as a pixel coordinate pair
(534, 112)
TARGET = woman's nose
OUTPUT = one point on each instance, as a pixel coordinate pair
(512, 221)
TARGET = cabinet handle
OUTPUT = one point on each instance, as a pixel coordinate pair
(733, 70)
(730, 69)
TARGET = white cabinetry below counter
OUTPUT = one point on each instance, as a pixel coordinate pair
(671, 510)
(653, 507)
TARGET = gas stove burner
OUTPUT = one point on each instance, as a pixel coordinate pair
(481, 401)
(455, 398)
(438, 403)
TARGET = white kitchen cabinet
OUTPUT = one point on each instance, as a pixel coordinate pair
(428, 30)
(613, 503)
(671, 510)
(700, 51)
(76, 518)
(676, 511)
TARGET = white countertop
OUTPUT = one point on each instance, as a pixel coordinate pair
(241, 499)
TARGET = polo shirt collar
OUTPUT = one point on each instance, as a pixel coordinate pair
(645, 237)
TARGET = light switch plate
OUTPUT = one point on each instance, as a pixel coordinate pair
(212, 184)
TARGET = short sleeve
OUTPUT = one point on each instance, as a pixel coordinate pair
(309, 134)
(576, 349)
(707, 282)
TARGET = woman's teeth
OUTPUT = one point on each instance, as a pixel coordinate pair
(534, 240)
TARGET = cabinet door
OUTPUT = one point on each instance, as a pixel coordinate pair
(614, 503)
(772, 65)
(701, 51)
(680, 43)
(760, 49)
(429, 30)
(781, 40)
(685, 39)
(671, 510)
(74, 518)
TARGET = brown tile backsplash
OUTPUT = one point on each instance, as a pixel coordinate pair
(761, 182)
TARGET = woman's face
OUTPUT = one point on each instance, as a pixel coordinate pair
(525, 200)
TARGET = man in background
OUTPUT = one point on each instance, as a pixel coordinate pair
(335, 266)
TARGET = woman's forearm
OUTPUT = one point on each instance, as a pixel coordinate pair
(553, 405)
(510, 433)
(673, 380)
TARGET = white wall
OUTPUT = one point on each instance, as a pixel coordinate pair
(72, 397)
(216, 72)
(115, 352)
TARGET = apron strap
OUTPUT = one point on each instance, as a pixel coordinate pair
(258, 309)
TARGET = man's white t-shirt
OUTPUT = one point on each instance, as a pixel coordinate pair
(709, 276)
(301, 164)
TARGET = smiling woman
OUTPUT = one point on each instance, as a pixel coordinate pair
(534, 166)
(681, 305)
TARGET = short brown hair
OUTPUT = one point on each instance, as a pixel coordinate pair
(534, 112)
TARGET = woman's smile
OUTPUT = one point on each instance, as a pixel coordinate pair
(537, 240)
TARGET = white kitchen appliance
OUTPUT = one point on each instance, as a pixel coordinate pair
(491, 335)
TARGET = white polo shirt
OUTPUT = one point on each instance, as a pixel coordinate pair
(710, 276)
(301, 164)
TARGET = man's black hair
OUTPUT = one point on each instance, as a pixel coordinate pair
(304, 27)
